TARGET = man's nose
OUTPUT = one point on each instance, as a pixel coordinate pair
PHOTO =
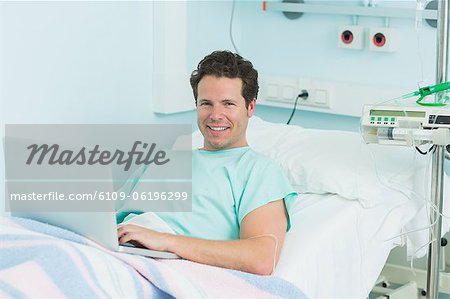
(217, 113)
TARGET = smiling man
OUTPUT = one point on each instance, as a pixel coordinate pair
(222, 112)
(240, 198)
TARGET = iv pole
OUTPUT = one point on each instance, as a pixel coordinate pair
(437, 171)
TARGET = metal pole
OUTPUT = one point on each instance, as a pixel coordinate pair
(442, 41)
(437, 171)
(434, 250)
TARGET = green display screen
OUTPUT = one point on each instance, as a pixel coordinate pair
(397, 113)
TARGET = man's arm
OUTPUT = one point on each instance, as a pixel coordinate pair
(262, 235)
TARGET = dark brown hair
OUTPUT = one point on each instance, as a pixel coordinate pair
(230, 65)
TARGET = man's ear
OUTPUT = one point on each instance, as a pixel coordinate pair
(251, 108)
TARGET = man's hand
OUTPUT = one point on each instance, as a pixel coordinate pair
(144, 236)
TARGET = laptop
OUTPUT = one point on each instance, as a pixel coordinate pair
(100, 227)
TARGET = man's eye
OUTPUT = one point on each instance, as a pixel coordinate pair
(229, 104)
(205, 104)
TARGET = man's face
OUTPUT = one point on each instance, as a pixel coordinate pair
(221, 113)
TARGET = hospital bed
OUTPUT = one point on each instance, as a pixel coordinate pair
(355, 201)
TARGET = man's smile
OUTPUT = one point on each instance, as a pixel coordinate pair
(218, 128)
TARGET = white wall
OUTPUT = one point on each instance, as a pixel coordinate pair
(92, 61)
(307, 48)
(76, 62)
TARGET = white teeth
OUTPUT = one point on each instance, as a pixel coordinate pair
(218, 128)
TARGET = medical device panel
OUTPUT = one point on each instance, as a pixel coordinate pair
(405, 125)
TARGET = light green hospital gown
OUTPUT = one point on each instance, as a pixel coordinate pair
(227, 185)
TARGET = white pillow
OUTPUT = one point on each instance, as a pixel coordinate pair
(327, 161)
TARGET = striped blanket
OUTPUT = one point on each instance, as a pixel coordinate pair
(42, 261)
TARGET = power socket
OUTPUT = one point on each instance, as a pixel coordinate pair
(351, 37)
(284, 90)
(279, 89)
(383, 39)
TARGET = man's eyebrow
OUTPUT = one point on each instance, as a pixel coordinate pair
(204, 100)
(228, 100)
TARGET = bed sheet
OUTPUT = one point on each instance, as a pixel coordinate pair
(42, 261)
(336, 248)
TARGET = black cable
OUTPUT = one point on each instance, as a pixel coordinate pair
(447, 154)
(420, 152)
(304, 95)
(433, 147)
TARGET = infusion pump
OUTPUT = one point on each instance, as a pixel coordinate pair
(405, 125)
(409, 117)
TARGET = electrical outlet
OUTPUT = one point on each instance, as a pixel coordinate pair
(319, 93)
(271, 91)
(286, 89)
(319, 98)
(288, 93)
(280, 89)
(351, 37)
(383, 39)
